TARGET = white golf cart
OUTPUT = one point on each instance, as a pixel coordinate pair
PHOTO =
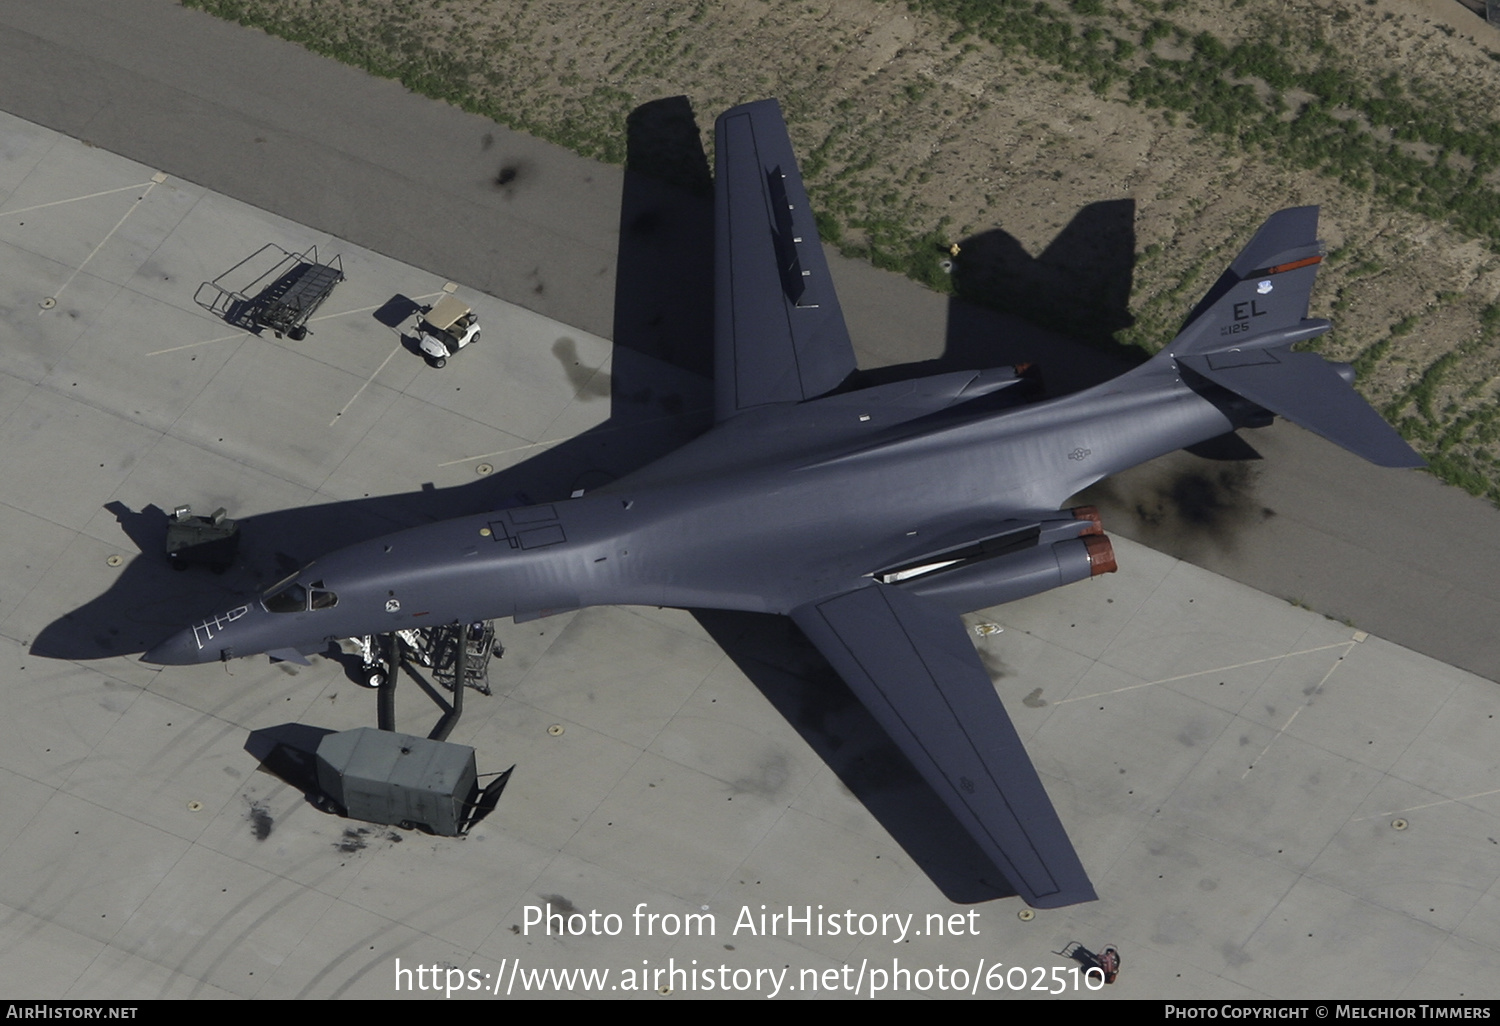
(446, 328)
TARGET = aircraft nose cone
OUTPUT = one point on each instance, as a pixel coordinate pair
(178, 650)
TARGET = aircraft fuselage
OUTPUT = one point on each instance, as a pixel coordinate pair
(763, 513)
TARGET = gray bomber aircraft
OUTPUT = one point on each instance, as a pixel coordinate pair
(873, 518)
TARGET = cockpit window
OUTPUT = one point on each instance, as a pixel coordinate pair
(322, 598)
(286, 598)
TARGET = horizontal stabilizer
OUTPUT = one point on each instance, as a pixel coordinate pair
(1306, 390)
(1240, 337)
(290, 655)
(912, 665)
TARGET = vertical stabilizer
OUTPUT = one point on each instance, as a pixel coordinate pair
(1240, 337)
(1261, 299)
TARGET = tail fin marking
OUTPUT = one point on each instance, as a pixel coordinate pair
(1240, 337)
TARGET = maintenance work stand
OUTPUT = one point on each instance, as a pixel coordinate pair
(282, 298)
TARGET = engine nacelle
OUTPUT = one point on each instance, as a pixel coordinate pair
(992, 582)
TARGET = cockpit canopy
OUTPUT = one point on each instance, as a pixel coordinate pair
(290, 596)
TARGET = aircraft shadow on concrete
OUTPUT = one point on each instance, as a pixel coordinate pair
(1078, 287)
(805, 690)
(1058, 311)
(660, 396)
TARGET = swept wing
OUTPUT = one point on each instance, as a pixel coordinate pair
(912, 665)
(779, 334)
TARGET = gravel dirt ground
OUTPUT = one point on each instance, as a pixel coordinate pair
(1084, 208)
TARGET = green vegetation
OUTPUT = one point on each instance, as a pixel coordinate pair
(1413, 143)
(1274, 83)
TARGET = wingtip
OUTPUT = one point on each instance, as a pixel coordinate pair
(1078, 894)
(767, 105)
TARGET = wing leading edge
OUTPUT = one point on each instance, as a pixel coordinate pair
(912, 665)
(779, 333)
